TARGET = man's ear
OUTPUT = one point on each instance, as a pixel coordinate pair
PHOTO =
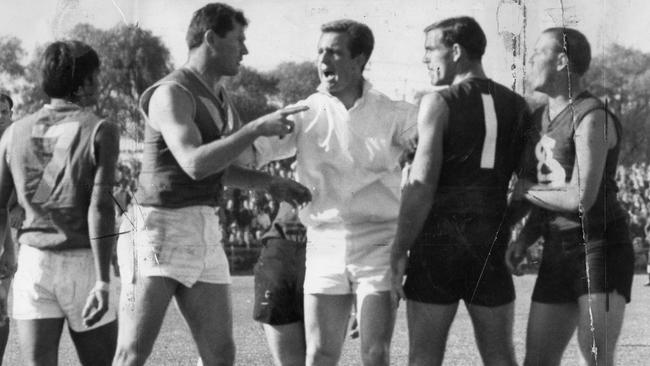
(210, 37)
(457, 51)
(562, 62)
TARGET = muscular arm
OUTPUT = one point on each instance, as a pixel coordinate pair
(593, 138)
(418, 193)
(171, 110)
(101, 212)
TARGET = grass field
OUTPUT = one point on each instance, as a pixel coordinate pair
(175, 347)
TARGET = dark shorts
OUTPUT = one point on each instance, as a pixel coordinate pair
(562, 275)
(461, 258)
(279, 276)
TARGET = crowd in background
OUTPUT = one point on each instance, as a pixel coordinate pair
(634, 194)
(246, 215)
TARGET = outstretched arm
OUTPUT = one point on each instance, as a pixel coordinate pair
(170, 111)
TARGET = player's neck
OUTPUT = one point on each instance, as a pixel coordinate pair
(474, 71)
(201, 69)
(564, 92)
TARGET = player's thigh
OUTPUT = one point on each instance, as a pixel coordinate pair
(493, 331)
(428, 327)
(142, 310)
(96, 347)
(207, 308)
(550, 328)
(287, 343)
(326, 319)
(376, 315)
(39, 340)
(605, 312)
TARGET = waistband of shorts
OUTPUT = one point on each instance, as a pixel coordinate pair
(65, 253)
(197, 208)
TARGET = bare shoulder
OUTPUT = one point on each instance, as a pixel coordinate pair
(598, 123)
(171, 95)
(432, 99)
(107, 132)
(433, 109)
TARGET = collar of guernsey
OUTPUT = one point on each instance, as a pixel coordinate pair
(349, 159)
(225, 105)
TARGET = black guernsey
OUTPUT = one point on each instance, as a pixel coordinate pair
(482, 145)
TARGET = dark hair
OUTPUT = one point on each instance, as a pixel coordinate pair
(7, 99)
(65, 66)
(361, 39)
(217, 17)
(462, 30)
(576, 47)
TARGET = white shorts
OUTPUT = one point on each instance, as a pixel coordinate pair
(339, 263)
(179, 243)
(56, 284)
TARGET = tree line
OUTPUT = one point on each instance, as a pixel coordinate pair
(134, 58)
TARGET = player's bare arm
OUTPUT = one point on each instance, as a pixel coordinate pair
(593, 138)
(171, 110)
(8, 258)
(418, 192)
(101, 219)
(281, 188)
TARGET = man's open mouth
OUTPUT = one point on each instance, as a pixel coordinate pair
(328, 74)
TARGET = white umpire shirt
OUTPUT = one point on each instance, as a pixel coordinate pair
(349, 159)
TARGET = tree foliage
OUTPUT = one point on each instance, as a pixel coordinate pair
(622, 78)
(250, 91)
(131, 60)
(11, 53)
(255, 93)
(295, 81)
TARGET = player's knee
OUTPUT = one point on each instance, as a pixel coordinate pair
(534, 358)
(425, 358)
(221, 354)
(322, 356)
(292, 360)
(377, 354)
(130, 354)
(502, 355)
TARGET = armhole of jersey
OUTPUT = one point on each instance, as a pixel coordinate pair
(93, 136)
(168, 82)
(609, 114)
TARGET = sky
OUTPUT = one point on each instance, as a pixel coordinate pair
(288, 30)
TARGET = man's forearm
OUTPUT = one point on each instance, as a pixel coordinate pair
(217, 155)
(417, 200)
(101, 227)
(244, 178)
(564, 198)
